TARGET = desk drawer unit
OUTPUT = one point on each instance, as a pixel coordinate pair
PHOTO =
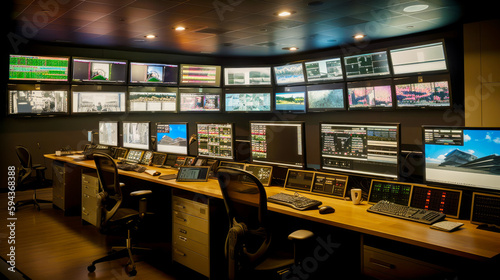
(190, 239)
(66, 187)
(90, 203)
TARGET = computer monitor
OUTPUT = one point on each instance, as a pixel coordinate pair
(247, 100)
(98, 99)
(419, 92)
(153, 73)
(325, 97)
(278, 143)
(200, 75)
(152, 99)
(92, 70)
(215, 140)
(462, 156)
(108, 133)
(38, 68)
(325, 70)
(247, 76)
(362, 149)
(172, 138)
(419, 59)
(367, 65)
(373, 94)
(200, 99)
(37, 100)
(136, 135)
(290, 99)
(289, 74)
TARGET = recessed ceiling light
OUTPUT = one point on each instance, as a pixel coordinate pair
(150, 36)
(180, 28)
(415, 8)
(284, 13)
(290, 49)
(359, 36)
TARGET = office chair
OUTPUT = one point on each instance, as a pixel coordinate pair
(25, 178)
(249, 251)
(114, 217)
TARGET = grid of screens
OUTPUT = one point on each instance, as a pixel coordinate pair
(278, 143)
(108, 133)
(248, 100)
(324, 70)
(172, 138)
(98, 101)
(99, 71)
(38, 68)
(370, 149)
(136, 135)
(38, 100)
(417, 59)
(289, 74)
(152, 99)
(367, 65)
(290, 99)
(215, 140)
(462, 156)
(247, 76)
(200, 75)
(153, 73)
(370, 95)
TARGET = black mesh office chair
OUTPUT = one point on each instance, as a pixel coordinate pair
(115, 217)
(27, 180)
(249, 250)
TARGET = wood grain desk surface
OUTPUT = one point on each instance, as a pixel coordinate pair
(467, 241)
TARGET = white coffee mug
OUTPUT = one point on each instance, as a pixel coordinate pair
(356, 196)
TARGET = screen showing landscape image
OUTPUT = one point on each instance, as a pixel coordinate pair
(290, 101)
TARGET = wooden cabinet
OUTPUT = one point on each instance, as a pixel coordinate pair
(90, 201)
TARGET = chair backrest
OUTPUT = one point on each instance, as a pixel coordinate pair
(24, 157)
(110, 189)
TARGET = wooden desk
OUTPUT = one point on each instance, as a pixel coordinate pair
(467, 242)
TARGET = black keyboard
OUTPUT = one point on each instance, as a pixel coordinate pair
(295, 201)
(385, 207)
(131, 167)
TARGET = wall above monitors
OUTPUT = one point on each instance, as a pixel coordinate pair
(200, 75)
(374, 94)
(290, 99)
(136, 135)
(367, 65)
(171, 138)
(90, 70)
(98, 99)
(200, 99)
(247, 76)
(289, 74)
(38, 68)
(108, 133)
(215, 140)
(434, 92)
(153, 73)
(419, 59)
(38, 100)
(248, 99)
(325, 97)
(152, 99)
(324, 70)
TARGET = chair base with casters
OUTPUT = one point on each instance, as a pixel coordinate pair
(35, 201)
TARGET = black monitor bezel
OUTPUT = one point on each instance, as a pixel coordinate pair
(367, 77)
(99, 82)
(442, 41)
(169, 123)
(368, 83)
(318, 110)
(28, 81)
(218, 77)
(232, 141)
(19, 87)
(99, 89)
(248, 85)
(422, 79)
(289, 83)
(160, 89)
(165, 84)
(118, 133)
(328, 81)
(199, 91)
(123, 135)
(252, 90)
(296, 88)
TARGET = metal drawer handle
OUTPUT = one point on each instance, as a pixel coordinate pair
(183, 231)
(183, 238)
(382, 264)
(181, 219)
(179, 253)
(180, 206)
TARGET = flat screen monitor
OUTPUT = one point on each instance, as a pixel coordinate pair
(375, 94)
(153, 73)
(152, 99)
(419, 59)
(431, 93)
(367, 65)
(290, 99)
(278, 143)
(248, 100)
(38, 68)
(462, 156)
(38, 100)
(247, 76)
(89, 70)
(289, 74)
(325, 70)
(200, 75)
(108, 133)
(136, 135)
(363, 149)
(215, 140)
(98, 99)
(172, 138)
(200, 99)
(325, 97)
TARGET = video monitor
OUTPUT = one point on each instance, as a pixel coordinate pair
(325, 70)
(245, 100)
(419, 59)
(289, 74)
(247, 76)
(367, 65)
(462, 156)
(363, 149)
(152, 99)
(215, 140)
(89, 70)
(200, 75)
(38, 68)
(136, 135)
(325, 97)
(375, 94)
(108, 133)
(37, 100)
(278, 143)
(172, 138)
(98, 99)
(434, 92)
(200, 99)
(290, 99)
(153, 73)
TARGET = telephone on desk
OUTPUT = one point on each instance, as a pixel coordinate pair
(89, 151)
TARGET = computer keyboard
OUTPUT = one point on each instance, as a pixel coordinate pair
(131, 167)
(385, 207)
(295, 201)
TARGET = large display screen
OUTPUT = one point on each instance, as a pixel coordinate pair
(419, 59)
(136, 135)
(248, 100)
(290, 99)
(171, 138)
(423, 95)
(38, 68)
(98, 100)
(200, 100)
(200, 75)
(367, 65)
(247, 76)
(152, 99)
(324, 70)
(289, 74)
(370, 94)
(108, 133)
(99, 70)
(38, 99)
(215, 140)
(153, 73)
(325, 97)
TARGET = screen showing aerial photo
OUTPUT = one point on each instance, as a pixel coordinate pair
(290, 101)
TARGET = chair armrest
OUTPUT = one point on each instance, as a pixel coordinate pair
(140, 192)
(300, 234)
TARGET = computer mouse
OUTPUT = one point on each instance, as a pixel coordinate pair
(326, 209)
